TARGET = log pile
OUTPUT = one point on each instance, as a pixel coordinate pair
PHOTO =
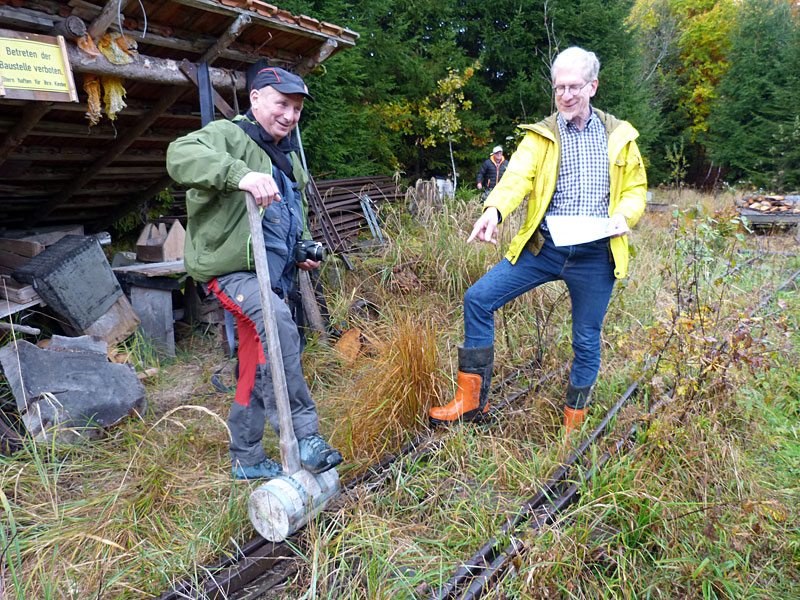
(771, 205)
(342, 200)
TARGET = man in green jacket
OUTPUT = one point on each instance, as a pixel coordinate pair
(219, 163)
(584, 176)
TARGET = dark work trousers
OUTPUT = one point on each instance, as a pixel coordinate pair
(255, 396)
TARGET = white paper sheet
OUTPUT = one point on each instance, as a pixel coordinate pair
(567, 231)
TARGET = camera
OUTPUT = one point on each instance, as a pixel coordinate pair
(309, 250)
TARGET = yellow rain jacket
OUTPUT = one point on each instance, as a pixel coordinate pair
(533, 169)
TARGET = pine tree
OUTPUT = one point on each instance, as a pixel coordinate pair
(754, 120)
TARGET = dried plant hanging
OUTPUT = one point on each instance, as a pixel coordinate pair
(113, 95)
(117, 48)
(91, 85)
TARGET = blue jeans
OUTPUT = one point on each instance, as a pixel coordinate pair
(588, 271)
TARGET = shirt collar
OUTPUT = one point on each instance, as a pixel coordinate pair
(566, 124)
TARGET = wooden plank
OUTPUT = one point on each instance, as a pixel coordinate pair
(776, 218)
(21, 247)
(154, 269)
(9, 259)
(15, 291)
(310, 306)
(43, 235)
(32, 114)
(7, 307)
(54, 129)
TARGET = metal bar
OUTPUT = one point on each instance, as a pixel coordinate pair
(209, 97)
(550, 489)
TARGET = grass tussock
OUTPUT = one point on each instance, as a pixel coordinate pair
(394, 385)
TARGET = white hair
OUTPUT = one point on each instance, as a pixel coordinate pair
(586, 61)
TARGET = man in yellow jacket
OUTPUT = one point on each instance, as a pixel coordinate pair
(579, 166)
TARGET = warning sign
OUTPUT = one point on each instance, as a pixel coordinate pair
(35, 67)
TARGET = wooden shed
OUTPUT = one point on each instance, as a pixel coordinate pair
(57, 168)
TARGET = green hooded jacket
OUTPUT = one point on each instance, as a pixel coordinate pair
(211, 162)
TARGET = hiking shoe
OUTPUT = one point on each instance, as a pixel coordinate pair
(316, 455)
(266, 469)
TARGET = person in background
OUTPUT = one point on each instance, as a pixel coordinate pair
(492, 170)
(254, 153)
(578, 162)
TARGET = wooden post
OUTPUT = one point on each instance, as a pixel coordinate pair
(310, 306)
(311, 63)
(105, 18)
(290, 453)
(154, 309)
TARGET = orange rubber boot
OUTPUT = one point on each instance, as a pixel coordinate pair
(464, 407)
(573, 419)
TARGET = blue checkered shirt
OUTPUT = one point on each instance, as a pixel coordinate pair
(582, 187)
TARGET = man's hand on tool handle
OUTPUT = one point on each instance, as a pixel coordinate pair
(485, 226)
(308, 265)
(262, 187)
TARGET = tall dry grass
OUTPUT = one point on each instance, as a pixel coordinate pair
(700, 509)
(395, 384)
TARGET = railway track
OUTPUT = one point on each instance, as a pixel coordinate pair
(259, 565)
(491, 562)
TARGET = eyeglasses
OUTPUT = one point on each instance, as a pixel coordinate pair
(560, 90)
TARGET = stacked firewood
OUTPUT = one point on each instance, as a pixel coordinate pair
(771, 204)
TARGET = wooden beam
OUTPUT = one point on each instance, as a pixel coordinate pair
(312, 62)
(114, 173)
(134, 108)
(23, 17)
(186, 41)
(61, 155)
(149, 69)
(32, 114)
(224, 41)
(107, 16)
(53, 129)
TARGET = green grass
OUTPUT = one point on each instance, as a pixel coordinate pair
(704, 506)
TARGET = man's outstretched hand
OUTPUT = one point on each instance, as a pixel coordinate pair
(617, 226)
(485, 226)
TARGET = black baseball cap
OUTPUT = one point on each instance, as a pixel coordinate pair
(280, 79)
